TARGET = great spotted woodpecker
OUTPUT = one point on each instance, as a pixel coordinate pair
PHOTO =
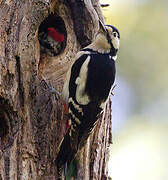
(51, 41)
(86, 89)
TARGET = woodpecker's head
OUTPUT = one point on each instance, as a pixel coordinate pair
(54, 34)
(107, 39)
(113, 36)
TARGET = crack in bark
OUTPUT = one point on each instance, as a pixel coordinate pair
(9, 124)
(4, 128)
(20, 85)
(7, 164)
(78, 15)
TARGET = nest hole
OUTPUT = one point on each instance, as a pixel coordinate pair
(52, 36)
(8, 120)
(4, 120)
(4, 127)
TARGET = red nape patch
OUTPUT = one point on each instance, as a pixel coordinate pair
(52, 32)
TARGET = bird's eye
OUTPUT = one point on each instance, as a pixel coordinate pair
(115, 34)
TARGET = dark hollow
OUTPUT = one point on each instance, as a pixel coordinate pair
(56, 22)
(3, 125)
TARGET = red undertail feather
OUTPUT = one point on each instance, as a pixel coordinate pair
(66, 111)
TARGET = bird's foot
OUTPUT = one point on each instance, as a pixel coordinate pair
(57, 96)
(55, 93)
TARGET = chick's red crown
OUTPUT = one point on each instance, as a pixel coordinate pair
(57, 36)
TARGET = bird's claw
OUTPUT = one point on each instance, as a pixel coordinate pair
(54, 91)
(49, 86)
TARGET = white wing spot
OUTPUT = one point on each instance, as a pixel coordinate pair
(116, 42)
(65, 91)
(81, 96)
(78, 79)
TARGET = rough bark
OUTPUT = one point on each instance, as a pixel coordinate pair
(32, 122)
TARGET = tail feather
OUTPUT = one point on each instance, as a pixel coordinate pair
(66, 154)
(65, 150)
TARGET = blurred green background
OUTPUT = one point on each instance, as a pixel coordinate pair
(140, 104)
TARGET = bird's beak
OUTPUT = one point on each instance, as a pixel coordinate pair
(102, 27)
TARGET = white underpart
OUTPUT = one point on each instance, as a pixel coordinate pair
(100, 44)
(103, 104)
(103, 51)
(81, 96)
(77, 107)
(65, 91)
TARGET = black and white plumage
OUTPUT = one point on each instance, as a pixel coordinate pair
(86, 89)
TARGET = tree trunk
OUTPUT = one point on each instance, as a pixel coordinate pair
(32, 123)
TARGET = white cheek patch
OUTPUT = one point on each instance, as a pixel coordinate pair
(81, 96)
(116, 42)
